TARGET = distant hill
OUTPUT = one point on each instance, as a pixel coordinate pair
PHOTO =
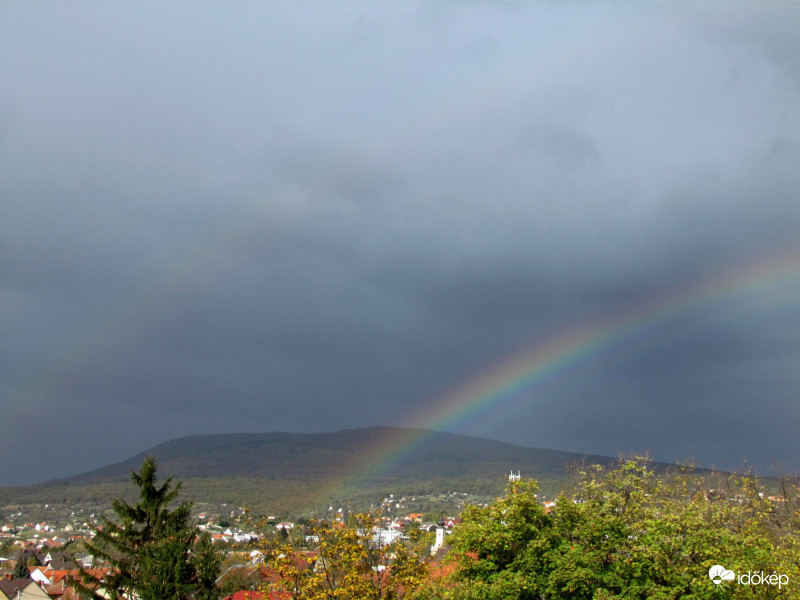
(325, 455)
(293, 470)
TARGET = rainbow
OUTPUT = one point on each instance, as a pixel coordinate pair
(562, 353)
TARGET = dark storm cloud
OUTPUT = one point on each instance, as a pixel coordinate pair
(236, 218)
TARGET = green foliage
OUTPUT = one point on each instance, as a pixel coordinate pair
(21, 569)
(33, 560)
(150, 546)
(627, 533)
(431, 517)
(237, 578)
(165, 569)
(208, 563)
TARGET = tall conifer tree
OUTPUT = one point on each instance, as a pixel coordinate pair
(148, 545)
(21, 569)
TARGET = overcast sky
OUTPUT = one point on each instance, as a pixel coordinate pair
(309, 216)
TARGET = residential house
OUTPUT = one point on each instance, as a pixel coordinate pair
(41, 575)
(62, 583)
(21, 588)
(254, 577)
(59, 560)
(383, 537)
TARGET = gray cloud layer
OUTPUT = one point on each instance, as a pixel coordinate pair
(305, 217)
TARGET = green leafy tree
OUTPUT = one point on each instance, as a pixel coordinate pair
(627, 534)
(500, 549)
(149, 546)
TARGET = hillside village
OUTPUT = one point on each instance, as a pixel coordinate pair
(43, 546)
(53, 549)
(45, 549)
(40, 558)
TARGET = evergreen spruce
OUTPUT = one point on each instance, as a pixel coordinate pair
(21, 569)
(148, 546)
(208, 562)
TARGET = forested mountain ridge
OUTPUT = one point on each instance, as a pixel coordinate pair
(290, 471)
(322, 455)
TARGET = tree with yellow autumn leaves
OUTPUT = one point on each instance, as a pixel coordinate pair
(347, 563)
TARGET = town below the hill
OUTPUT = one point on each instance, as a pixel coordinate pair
(624, 532)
